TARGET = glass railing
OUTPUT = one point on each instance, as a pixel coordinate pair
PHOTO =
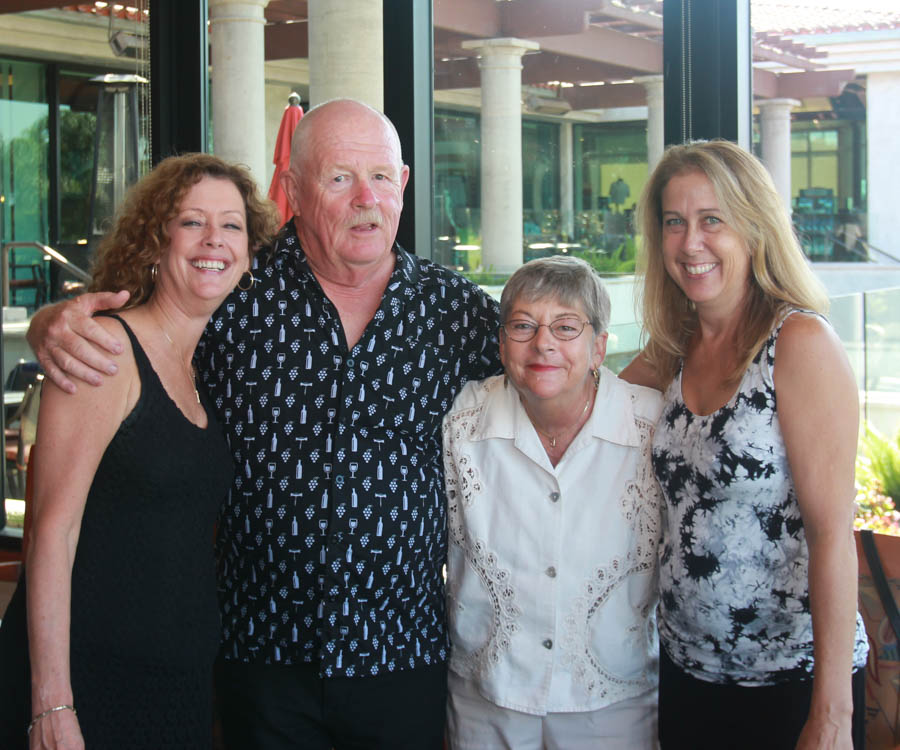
(869, 326)
(867, 323)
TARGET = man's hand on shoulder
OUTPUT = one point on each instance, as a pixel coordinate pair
(69, 343)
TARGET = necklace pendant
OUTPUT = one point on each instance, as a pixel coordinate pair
(553, 442)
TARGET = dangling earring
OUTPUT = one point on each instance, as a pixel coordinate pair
(250, 284)
(596, 374)
(154, 272)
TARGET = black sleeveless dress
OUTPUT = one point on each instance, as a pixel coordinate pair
(145, 617)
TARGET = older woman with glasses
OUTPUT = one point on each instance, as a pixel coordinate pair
(553, 516)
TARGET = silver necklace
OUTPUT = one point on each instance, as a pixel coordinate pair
(192, 375)
(553, 438)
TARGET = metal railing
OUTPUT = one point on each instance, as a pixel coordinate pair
(54, 256)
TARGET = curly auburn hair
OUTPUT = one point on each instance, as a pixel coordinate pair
(129, 252)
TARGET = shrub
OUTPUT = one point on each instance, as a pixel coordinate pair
(878, 483)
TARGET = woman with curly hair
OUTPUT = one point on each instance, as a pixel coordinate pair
(122, 616)
(761, 644)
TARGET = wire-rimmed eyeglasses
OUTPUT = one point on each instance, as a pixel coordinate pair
(564, 329)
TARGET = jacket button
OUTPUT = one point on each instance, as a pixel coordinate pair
(551, 571)
(548, 644)
(554, 497)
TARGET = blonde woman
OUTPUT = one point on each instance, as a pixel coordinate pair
(754, 452)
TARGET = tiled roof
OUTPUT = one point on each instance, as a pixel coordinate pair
(789, 17)
(119, 10)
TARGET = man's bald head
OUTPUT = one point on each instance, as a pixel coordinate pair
(324, 115)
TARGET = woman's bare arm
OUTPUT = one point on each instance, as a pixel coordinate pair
(818, 411)
(73, 432)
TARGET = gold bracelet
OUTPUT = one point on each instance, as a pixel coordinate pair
(49, 711)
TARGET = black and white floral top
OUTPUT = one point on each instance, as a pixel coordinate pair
(734, 604)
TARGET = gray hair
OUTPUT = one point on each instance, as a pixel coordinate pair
(571, 281)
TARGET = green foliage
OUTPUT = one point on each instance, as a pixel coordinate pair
(486, 277)
(878, 477)
(876, 512)
(619, 260)
(878, 463)
(76, 172)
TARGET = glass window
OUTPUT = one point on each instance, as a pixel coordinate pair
(584, 100)
(821, 72)
(24, 178)
(77, 128)
(24, 217)
(23, 156)
(540, 180)
(610, 170)
(457, 193)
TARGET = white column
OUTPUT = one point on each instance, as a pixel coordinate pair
(566, 180)
(656, 133)
(775, 142)
(346, 51)
(883, 190)
(501, 150)
(238, 83)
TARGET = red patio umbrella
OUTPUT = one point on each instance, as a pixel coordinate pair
(293, 112)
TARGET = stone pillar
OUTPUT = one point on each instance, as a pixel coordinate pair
(775, 142)
(566, 180)
(238, 83)
(656, 137)
(883, 190)
(501, 150)
(346, 51)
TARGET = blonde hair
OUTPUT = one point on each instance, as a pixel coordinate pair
(780, 276)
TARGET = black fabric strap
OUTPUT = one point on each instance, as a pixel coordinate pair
(880, 580)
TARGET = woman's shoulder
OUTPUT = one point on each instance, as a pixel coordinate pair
(113, 399)
(803, 321)
(117, 324)
(641, 372)
(646, 402)
(802, 329)
(474, 393)
(126, 379)
(805, 341)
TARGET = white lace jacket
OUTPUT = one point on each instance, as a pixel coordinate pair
(552, 583)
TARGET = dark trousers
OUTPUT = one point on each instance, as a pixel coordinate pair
(276, 707)
(699, 715)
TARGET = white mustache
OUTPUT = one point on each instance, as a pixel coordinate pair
(371, 216)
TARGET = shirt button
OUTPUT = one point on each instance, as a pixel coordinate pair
(551, 571)
(554, 497)
(350, 362)
(548, 644)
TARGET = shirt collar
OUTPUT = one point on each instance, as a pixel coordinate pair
(612, 418)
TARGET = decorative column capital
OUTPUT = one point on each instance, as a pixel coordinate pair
(501, 49)
(776, 107)
(237, 10)
(649, 82)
